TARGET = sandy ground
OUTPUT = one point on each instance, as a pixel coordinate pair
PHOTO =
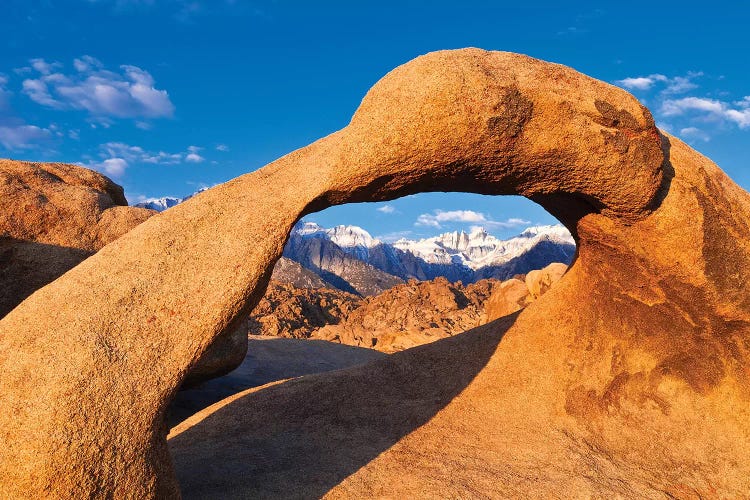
(269, 359)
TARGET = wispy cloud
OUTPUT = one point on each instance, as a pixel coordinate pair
(183, 11)
(440, 217)
(116, 157)
(15, 134)
(737, 113)
(582, 23)
(113, 167)
(14, 137)
(674, 85)
(695, 133)
(394, 236)
(386, 209)
(693, 117)
(193, 156)
(128, 93)
(222, 147)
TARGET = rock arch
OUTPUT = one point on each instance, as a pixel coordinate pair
(91, 361)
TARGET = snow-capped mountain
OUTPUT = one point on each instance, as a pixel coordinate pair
(457, 255)
(479, 249)
(160, 204)
(165, 202)
(351, 239)
(349, 258)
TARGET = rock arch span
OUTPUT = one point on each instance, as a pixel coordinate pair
(91, 361)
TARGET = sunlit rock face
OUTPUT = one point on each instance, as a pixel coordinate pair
(56, 215)
(627, 378)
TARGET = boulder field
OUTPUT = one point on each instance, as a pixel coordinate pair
(628, 378)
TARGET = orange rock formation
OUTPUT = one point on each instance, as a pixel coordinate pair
(629, 377)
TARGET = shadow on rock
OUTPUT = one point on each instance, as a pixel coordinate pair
(26, 266)
(332, 425)
(269, 359)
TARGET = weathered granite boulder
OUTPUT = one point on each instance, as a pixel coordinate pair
(628, 378)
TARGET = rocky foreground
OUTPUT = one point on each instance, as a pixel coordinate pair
(628, 378)
(401, 317)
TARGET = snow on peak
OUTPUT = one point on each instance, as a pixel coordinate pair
(478, 232)
(478, 248)
(159, 204)
(305, 228)
(558, 232)
(351, 236)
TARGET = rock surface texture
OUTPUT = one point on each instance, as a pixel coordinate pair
(52, 217)
(628, 378)
(289, 311)
(412, 314)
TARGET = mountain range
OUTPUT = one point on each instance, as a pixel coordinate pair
(350, 254)
(350, 259)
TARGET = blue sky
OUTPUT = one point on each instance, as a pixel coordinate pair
(167, 96)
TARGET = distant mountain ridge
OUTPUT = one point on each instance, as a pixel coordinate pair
(351, 259)
(165, 202)
(457, 256)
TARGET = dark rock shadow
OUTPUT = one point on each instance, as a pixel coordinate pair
(269, 359)
(300, 438)
(26, 266)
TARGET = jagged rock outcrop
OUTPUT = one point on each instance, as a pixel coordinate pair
(342, 270)
(52, 217)
(399, 318)
(510, 296)
(411, 314)
(539, 281)
(289, 311)
(628, 378)
(289, 271)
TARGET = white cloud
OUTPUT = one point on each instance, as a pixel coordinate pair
(14, 137)
(116, 157)
(222, 147)
(386, 209)
(740, 117)
(104, 94)
(708, 108)
(681, 84)
(439, 217)
(675, 85)
(86, 63)
(43, 66)
(15, 134)
(673, 107)
(687, 111)
(194, 158)
(114, 167)
(694, 133)
(640, 82)
(136, 154)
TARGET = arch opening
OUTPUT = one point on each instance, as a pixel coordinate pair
(470, 120)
